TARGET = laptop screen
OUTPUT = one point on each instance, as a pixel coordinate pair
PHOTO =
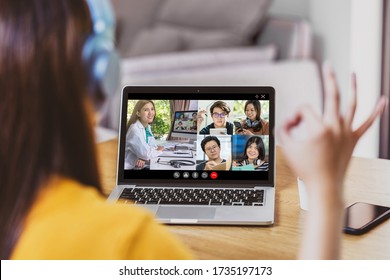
(197, 134)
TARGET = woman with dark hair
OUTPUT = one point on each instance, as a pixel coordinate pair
(141, 145)
(51, 201)
(254, 153)
(253, 124)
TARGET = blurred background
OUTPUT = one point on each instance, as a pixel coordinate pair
(349, 34)
(281, 43)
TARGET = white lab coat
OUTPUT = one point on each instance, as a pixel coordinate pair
(136, 146)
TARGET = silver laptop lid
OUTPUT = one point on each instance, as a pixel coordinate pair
(165, 136)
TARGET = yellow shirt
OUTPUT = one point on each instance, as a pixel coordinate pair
(72, 221)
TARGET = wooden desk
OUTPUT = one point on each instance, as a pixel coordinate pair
(367, 180)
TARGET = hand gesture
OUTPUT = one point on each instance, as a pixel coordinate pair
(324, 152)
(320, 157)
(200, 117)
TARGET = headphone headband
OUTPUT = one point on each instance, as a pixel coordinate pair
(251, 124)
(102, 17)
(99, 53)
(255, 162)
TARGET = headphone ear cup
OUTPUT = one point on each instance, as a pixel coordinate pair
(102, 62)
(248, 122)
(255, 123)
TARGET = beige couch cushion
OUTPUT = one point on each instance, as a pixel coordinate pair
(240, 17)
(197, 24)
(161, 39)
(131, 17)
(202, 59)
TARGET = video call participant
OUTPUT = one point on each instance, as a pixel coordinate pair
(219, 112)
(182, 117)
(141, 145)
(180, 126)
(254, 153)
(253, 124)
(211, 146)
(193, 123)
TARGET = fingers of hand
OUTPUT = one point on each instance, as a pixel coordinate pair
(352, 104)
(201, 112)
(285, 131)
(332, 96)
(380, 107)
(305, 117)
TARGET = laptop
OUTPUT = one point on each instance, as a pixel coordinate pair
(174, 189)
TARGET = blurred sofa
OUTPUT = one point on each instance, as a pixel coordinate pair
(218, 42)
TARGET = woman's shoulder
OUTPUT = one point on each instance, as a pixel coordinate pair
(135, 130)
(74, 221)
(263, 167)
(265, 124)
(136, 125)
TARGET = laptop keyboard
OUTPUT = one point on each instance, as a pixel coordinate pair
(195, 196)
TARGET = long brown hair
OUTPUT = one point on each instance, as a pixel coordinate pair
(45, 129)
(137, 109)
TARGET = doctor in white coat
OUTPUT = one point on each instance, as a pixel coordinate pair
(141, 145)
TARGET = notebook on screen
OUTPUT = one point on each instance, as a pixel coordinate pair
(172, 163)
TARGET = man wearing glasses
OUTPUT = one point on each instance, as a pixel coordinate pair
(219, 112)
(211, 146)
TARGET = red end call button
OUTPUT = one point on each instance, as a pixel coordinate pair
(214, 175)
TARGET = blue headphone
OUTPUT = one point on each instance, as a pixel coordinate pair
(250, 123)
(99, 53)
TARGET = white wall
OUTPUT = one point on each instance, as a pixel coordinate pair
(293, 8)
(366, 49)
(347, 33)
(331, 28)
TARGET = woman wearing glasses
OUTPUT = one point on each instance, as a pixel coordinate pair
(219, 112)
